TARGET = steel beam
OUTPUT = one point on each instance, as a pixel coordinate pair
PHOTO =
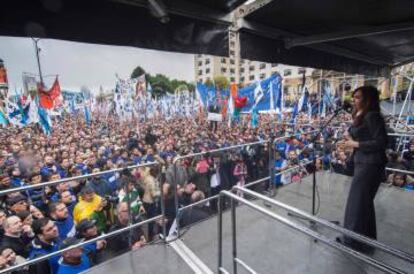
(273, 33)
(342, 35)
(188, 9)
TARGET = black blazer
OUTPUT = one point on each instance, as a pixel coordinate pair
(372, 137)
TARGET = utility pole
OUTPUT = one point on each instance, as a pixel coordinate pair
(37, 49)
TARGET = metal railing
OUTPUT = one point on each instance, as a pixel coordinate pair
(393, 251)
(208, 199)
(271, 176)
(303, 229)
(102, 237)
(129, 227)
(400, 170)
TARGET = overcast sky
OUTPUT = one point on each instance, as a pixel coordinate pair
(88, 64)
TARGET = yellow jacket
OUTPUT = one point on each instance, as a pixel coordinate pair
(84, 210)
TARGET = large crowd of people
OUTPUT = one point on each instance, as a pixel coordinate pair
(44, 219)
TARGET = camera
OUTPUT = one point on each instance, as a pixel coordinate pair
(112, 199)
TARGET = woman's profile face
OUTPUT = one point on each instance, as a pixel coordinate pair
(357, 100)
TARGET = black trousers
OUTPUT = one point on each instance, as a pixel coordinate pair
(360, 210)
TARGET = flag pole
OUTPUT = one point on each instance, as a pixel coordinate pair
(37, 49)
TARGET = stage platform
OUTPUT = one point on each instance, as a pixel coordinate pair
(270, 247)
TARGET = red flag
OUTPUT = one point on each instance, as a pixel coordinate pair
(47, 98)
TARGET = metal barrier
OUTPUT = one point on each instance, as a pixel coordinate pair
(271, 176)
(393, 251)
(102, 237)
(400, 170)
(208, 199)
(305, 230)
(129, 227)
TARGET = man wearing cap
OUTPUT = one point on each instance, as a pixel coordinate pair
(13, 229)
(87, 230)
(74, 260)
(17, 203)
(45, 242)
(59, 213)
(88, 203)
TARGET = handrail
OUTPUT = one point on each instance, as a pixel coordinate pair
(55, 253)
(400, 170)
(321, 238)
(401, 254)
(23, 188)
(296, 134)
(400, 134)
(218, 150)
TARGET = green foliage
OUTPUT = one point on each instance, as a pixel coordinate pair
(182, 88)
(209, 82)
(161, 84)
(221, 82)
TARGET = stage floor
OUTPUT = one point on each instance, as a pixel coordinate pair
(270, 247)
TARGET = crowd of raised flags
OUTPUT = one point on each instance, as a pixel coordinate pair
(133, 98)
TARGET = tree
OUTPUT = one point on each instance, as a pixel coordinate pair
(160, 84)
(209, 83)
(221, 82)
(138, 71)
(191, 87)
(181, 88)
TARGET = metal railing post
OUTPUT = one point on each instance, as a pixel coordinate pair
(398, 253)
(321, 238)
(272, 166)
(220, 235)
(128, 198)
(162, 202)
(234, 236)
(175, 184)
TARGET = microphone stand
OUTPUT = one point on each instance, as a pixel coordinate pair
(321, 129)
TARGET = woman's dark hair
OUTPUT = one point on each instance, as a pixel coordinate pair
(370, 102)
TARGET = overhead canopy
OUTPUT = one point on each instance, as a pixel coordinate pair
(356, 36)
(194, 26)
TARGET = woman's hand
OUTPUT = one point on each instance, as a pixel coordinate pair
(350, 143)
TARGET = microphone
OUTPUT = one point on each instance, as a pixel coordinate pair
(347, 107)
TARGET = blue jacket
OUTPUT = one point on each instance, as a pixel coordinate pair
(49, 266)
(82, 167)
(66, 228)
(112, 180)
(73, 269)
(16, 182)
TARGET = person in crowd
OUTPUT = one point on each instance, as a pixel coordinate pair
(401, 180)
(59, 213)
(99, 185)
(87, 230)
(130, 186)
(196, 213)
(89, 201)
(151, 195)
(121, 242)
(49, 168)
(45, 242)
(12, 259)
(74, 260)
(14, 236)
(280, 165)
(69, 200)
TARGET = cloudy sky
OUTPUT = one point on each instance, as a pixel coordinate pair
(92, 65)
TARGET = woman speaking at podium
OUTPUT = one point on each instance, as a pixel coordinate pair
(368, 139)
